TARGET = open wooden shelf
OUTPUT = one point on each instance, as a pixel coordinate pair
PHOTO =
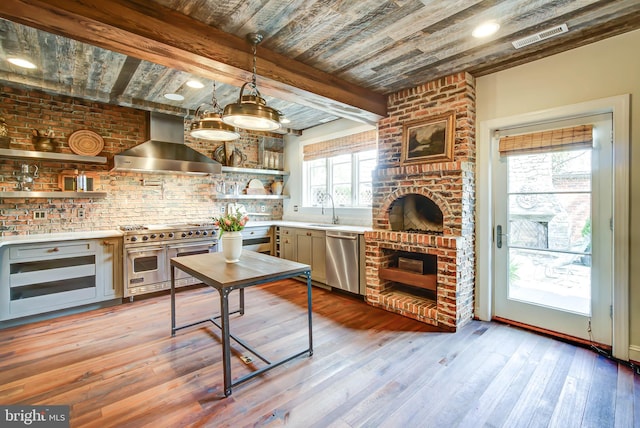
(51, 195)
(426, 281)
(62, 157)
(232, 169)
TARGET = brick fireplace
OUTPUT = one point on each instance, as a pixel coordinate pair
(420, 256)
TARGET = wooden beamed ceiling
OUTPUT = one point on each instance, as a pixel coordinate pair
(320, 59)
(159, 35)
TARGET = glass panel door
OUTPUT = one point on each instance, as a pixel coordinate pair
(552, 237)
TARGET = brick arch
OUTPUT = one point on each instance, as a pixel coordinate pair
(441, 202)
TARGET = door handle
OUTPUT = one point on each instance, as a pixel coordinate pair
(499, 236)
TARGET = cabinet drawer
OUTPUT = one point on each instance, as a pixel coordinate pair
(50, 250)
(51, 275)
(256, 232)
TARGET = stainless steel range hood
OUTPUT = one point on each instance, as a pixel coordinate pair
(165, 152)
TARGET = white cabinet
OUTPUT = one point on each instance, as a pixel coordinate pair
(311, 250)
(306, 246)
(110, 263)
(43, 277)
(288, 244)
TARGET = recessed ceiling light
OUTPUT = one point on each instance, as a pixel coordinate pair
(485, 29)
(21, 62)
(195, 84)
(174, 97)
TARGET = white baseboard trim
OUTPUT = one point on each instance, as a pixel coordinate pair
(634, 353)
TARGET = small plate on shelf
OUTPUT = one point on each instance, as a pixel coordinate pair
(255, 184)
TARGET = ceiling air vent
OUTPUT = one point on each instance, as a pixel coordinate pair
(542, 35)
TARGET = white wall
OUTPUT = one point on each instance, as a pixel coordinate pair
(600, 70)
(293, 163)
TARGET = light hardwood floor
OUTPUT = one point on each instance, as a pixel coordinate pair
(120, 366)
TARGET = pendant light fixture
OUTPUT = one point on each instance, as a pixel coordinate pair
(251, 111)
(208, 125)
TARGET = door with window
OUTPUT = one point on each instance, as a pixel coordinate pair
(552, 227)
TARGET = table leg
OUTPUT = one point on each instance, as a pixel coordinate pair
(226, 346)
(242, 301)
(173, 300)
(309, 312)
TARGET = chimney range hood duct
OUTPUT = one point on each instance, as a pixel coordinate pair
(165, 152)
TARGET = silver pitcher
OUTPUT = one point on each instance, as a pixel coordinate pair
(26, 176)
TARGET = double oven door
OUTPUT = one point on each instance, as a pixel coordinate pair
(147, 268)
(187, 249)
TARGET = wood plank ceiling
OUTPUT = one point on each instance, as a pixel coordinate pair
(320, 59)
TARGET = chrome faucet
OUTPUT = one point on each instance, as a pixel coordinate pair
(334, 217)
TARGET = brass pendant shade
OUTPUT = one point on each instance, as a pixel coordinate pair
(211, 127)
(251, 111)
(208, 125)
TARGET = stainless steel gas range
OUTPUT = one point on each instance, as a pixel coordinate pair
(148, 248)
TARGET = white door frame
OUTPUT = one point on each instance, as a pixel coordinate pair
(619, 107)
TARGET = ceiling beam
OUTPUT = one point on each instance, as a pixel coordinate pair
(151, 32)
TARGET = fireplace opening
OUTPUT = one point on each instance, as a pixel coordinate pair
(412, 273)
(415, 213)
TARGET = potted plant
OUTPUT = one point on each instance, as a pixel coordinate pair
(230, 226)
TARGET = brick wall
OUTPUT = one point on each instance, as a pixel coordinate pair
(450, 185)
(182, 198)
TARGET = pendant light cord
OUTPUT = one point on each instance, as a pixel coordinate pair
(214, 101)
(253, 79)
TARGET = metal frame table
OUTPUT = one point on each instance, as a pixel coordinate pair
(252, 269)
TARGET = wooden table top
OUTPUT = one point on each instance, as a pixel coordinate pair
(253, 267)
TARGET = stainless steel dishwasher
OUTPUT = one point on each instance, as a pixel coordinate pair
(343, 261)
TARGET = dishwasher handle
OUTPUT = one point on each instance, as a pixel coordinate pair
(348, 237)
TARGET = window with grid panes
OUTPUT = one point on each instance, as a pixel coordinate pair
(348, 176)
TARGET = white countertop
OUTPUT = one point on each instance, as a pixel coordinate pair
(310, 225)
(98, 234)
(65, 236)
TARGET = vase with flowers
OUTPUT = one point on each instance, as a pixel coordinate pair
(230, 226)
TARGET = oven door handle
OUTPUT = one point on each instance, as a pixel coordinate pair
(145, 250)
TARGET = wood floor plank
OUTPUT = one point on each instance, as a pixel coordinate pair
(572, 401)
(601, 402)
(120, 367)
(523, 411)
(624, 398)
(483, 405)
